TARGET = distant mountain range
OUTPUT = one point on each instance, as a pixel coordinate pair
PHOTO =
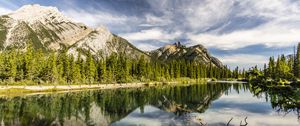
(48, 29)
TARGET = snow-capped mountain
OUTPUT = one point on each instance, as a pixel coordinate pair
(48, 29)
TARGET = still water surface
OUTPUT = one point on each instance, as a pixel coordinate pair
(212, 104)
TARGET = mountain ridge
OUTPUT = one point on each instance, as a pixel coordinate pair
(179, 52)
(48, 29)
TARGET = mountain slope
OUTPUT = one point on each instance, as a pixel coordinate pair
(48, 29)
(179, 52)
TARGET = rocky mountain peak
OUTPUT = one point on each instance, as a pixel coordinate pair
(102, 28)
(178, 52)
(36, 13)
(48, 29)
(36, 8)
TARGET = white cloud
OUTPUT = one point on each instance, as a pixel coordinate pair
(4, 11)
(244, 60)
(157, 21)
(269, 8)
(192, 17)
(195, 15)
(146, 46)
(270, 35)
(151, 34)
(96, 18)
(206, 14)
(282, 27)
(147, 25)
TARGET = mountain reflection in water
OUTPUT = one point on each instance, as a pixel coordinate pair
(214, 104)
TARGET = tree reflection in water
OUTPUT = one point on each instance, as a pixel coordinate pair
(104, 107)
(284, 99)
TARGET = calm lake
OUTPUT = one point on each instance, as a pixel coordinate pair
(211, 104)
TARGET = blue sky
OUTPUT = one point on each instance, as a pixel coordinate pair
(242, 33)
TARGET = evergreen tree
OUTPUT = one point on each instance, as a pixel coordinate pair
(265, 69)
(28, 65)
(141, 67)
(90, 67)
(72, 67)
(39, 63)
(52, 68)
(12, 65)
(65, 63)
(102, 69)
(297, 62)
(271, 69)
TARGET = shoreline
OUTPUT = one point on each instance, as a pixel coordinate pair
(12, 90)
(71, 88)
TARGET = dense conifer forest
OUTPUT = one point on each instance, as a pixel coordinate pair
(39, 67)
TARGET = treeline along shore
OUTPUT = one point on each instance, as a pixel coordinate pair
(40, 68)
(281, 71)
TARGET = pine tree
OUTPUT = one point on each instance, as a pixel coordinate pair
(72, 69)
(265, 70)
(28, 65)
(210, 70)
(171, 70)
(277, 68)
(271, 69)
(109, 74)
(127, 69)
(177, 70)
(52, 68)
(65, 62)
(90, 67)
(284, 68)
(78, 68)
(103, 74)
(297, 62)
(167, 74)
(39, 63)
(76, 72)
(157, 72)
(141, 67)
(236, 72)
(20, 65)
(12, 65)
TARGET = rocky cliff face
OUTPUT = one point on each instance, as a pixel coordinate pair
(179, 52)
(48, 29)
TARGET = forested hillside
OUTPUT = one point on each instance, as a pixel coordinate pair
(36, 66)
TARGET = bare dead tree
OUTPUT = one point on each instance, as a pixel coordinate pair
(229, 121)
(203, 124)
(246, 123)
(245, 120)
